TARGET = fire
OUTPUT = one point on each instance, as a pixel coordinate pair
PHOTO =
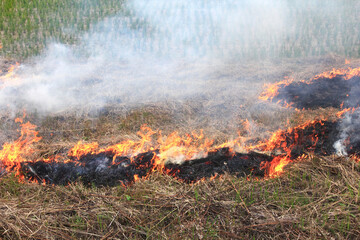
(127, 148)
(346, 73)
(286, 141)
(133, 147)
(279, 139)
(355, 157)
(276, 166)
(173, 147)
(81, 149)
(272, 90)
(14, 153)
(345, 110)
(179, 149)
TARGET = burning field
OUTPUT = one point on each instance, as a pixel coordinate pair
(193, 157)
(192, 173)
(180, 119)
(188, 159)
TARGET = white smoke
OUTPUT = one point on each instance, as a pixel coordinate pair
(346, 126)
(349, 138)
(340, 148)
(155, 50)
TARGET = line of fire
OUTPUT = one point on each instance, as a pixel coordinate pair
(193, 157)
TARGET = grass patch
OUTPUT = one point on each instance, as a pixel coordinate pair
(27, 26)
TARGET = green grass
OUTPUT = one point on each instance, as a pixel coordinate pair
(325, 27)
(27, 26)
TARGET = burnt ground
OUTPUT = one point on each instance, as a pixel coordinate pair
(103, 170)
(323, 92)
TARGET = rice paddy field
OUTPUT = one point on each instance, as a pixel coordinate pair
(27, 26)
(324, 27)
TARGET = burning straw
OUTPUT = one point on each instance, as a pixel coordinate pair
(193, 157)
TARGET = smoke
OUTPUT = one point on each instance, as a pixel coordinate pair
(154, 51)
(349, 138)
(346, 127)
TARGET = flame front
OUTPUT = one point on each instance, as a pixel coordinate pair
(276, 166)
(173, 148)
(81, 149)
(14, 153)
(345, 110)
(285, 141)
(345, 73)
(272, 90)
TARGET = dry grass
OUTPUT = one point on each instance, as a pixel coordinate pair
(316, 199)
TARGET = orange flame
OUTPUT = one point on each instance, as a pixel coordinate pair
(13, 154)
(81, 149)
(276, 166)
(345, 110)
(272, 90)
(178, 148)
(346, 73)
(173, 147)
(133, 147)
(279, 141)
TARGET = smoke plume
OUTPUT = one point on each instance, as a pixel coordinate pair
(153, 51)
